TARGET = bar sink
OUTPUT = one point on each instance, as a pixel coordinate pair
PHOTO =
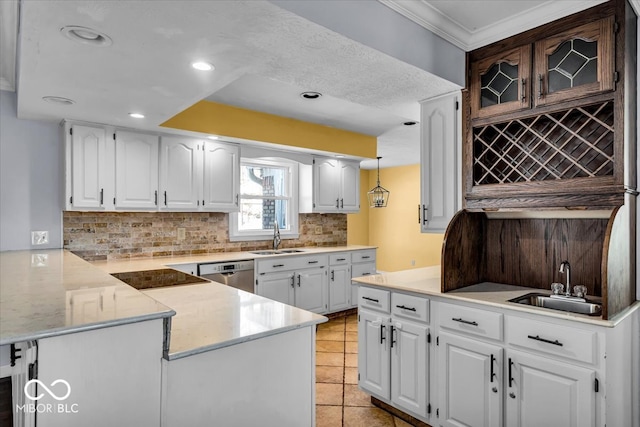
(289, 251)
(573, 306)
(265, 252)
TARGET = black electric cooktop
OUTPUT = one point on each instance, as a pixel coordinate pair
(157, 278)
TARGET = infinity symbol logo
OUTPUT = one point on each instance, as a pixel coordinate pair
(52, 394)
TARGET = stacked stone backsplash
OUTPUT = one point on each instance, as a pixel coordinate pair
(124, 235)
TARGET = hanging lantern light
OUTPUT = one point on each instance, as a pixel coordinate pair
(378, 196)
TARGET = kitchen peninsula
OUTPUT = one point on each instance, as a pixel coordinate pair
(241, 347)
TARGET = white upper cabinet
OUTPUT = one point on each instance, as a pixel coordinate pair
(221, 177)
(89, 169)
(440, 162)
(136, 171)
(180, 173)
(336, 185)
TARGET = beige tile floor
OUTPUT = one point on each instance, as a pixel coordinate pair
(339, 402)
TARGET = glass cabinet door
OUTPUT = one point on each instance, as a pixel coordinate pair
(575, 63)
(499, 84)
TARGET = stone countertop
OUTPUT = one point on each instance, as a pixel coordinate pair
(211, 316)
(38, 290)
(141, 264)
(426, 281)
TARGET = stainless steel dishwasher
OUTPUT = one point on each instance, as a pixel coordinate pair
(238, 274)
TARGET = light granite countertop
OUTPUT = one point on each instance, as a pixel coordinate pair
(212, 315)
(38, 290)
(426, 281)
(142, 264)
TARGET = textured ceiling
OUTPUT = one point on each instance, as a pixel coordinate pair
(264, 57)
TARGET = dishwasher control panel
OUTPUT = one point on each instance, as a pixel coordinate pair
(224, 267)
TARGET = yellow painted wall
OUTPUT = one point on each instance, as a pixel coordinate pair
(225, 120)
(395, 229)
(358, 224)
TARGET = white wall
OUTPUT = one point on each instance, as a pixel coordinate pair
(31, 177)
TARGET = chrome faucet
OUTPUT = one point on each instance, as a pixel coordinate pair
(276, 235)
(563, 265)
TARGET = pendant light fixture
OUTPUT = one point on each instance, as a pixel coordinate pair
(378, 196)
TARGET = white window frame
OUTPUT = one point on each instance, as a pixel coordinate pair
(236, 235)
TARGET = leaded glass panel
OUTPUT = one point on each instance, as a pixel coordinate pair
(573, 63)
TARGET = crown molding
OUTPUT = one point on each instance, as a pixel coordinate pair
(636, 6)
(427, 16)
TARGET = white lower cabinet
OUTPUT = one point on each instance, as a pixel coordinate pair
(299, 281)
(545, 392)
(470, 386)
(409, 366)
(339, 287)
(393, 355)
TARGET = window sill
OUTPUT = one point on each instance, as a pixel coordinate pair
(262, 237)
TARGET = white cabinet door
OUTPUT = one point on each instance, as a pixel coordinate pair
(221, 177)
(136, 171)
(374, 368)
(90, 168)
(311, 290)
(339, 287)
(326, 183)
(545, 392)
(409, 362)
(180, 173)
(440, 162)
(277, 286)
(349, 186)
(470, 382)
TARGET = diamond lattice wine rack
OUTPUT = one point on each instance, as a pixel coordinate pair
(573, 143)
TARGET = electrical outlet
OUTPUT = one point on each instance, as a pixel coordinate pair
(413, 263)
(318, 229)
(39, 237)
(181, 233)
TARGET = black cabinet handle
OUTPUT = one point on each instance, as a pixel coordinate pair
(14, 354)
(419, 220)
(366, 274)
(424, 214)
(510, 376)
(366, 257)
(524, 90)
(341, 259)
(278, 265)
(392, 340)
(406, 308)
(540, 86)
(333, 275)
(466, 322)
(293, 281)
(299, 280)
(382, 337)
(165, 198)
(537, 338)
(155, 198)
(337, 203)
(370, 299)
(341, 203)
(312, 262)
(101, 196)
(493, 359)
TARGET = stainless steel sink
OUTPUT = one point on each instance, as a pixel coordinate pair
(289, 251)
(265, 252)
(573, 306)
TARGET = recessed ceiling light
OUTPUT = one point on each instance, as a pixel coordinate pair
(86, 35)
(213, 137)
(58, 100)
(410, 123)
(137, 115)
(203, 66)
(311, 95)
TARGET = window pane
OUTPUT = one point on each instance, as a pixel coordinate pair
(258, 180)
(256, 214)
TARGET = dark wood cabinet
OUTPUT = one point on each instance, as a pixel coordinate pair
(575, 63)
(501, 83)
(546, 115)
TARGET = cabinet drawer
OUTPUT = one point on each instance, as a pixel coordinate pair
(339, 259)
(474, 321)
(410, 307)
(289, 263)
(368, 255)
(365, 269)
(549, 338)
(374, 299)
